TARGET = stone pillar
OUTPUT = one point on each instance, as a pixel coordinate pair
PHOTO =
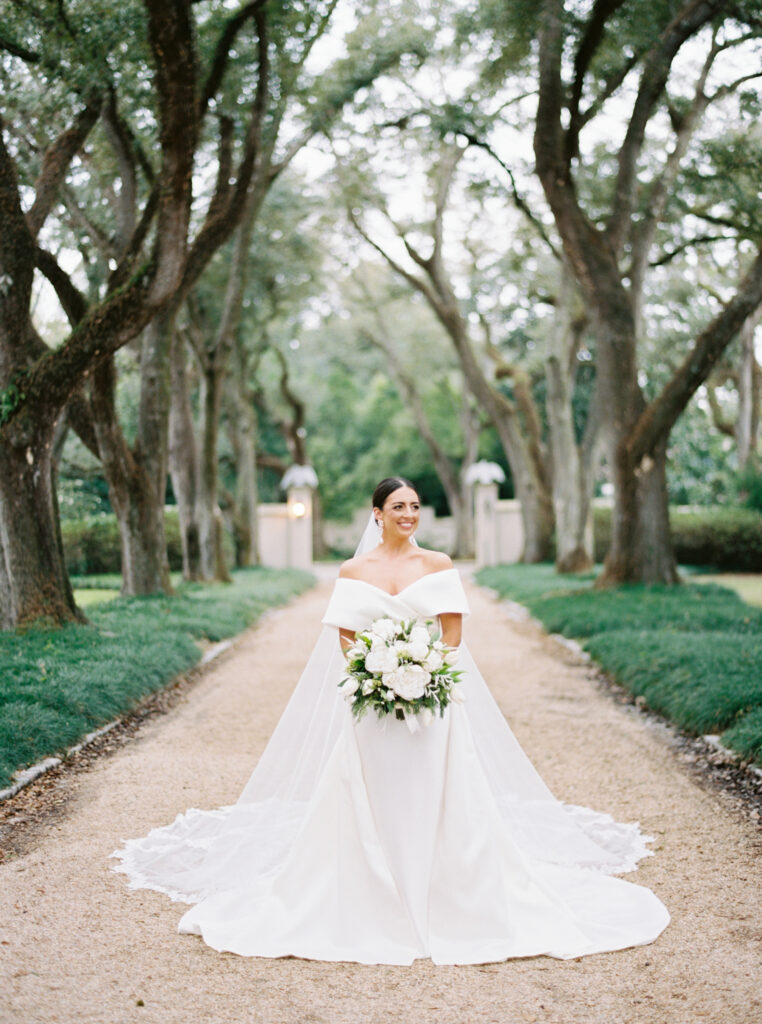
(485, 524)
(484, 477)
(299, 528)
(299, 483)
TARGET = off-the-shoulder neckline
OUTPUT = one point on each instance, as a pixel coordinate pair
(426, 575)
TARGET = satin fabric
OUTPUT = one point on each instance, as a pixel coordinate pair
(407, 846)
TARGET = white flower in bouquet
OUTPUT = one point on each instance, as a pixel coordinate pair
(408, 681)
(400, 669)
(456, 693)
(420, 635)
(381, 659)
(433, 661)
(384, 629)
(352, 685)
(417, 650)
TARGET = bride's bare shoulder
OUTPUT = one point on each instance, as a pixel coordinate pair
(436, 561)
(354, 568)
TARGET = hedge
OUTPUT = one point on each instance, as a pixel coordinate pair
(91, 545)
(721, 537)
(693, 653)
(59, 684)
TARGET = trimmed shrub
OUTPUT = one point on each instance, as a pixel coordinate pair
(693, 652)
(703, 682)
(58, 684)
(724, 538)
(746, 735)
(91, 545)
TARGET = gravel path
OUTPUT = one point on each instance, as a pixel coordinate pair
(77, 946)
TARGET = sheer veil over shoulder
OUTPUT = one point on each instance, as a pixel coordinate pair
(364, 842)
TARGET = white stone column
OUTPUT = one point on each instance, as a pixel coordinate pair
(299, 483)
(299, 528)
(484, 477)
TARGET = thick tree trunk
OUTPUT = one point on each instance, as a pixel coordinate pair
(530, 487)
(521, 449)
(641, 546)
(571, 463)
(749, 396)
(183, 460)
(209, 515)
(34, 584)
(572, 484)
(137, 478)
(242, 431)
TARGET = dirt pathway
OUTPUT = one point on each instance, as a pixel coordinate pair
(77, 946)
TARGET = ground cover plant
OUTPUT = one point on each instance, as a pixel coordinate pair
(693, 653)
(57, 685)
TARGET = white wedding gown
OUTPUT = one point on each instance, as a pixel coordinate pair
(364, 842)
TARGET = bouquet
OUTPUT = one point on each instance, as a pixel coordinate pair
(401, 668)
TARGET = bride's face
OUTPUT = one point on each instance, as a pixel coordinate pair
(400, 514)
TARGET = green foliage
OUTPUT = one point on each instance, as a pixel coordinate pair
(91, 545)
(749, 484)
(515, 582)
(59, 684)
(723, 538)
(658, 607)
(746, 735)
(11, 397)
(693, 653)
(701, 466)
(703, 682)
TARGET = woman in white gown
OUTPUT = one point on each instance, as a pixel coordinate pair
(368, 843)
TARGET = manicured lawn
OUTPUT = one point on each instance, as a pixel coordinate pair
(88, 596)
(748, 585)
(57, 685)
(693, 652)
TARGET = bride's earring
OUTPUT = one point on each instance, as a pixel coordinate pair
(380, 525)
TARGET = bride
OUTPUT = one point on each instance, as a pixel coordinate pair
(366, 842)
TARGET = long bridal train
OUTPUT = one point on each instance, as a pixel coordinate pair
(365, 843)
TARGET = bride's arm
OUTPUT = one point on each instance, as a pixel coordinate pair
(346, 639)
(452, 628)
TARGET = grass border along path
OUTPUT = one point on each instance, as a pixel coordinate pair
(693, 653)
(56, 685)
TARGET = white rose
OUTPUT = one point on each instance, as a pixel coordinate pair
(381, 659)
(452, 655)
(401, 648)
(351, 685)
(433, 661)
(384, 628)
(420, 635)
(389, 695)
(417, 650)
(367, 686)
(408, 681)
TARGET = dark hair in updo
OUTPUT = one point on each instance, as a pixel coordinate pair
(389, 486)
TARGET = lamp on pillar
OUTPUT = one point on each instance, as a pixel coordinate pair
(299, 482)
(484, 477)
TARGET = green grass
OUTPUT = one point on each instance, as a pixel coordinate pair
(693, 653)
(748, 585)
(88, 596)
(57, 685)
